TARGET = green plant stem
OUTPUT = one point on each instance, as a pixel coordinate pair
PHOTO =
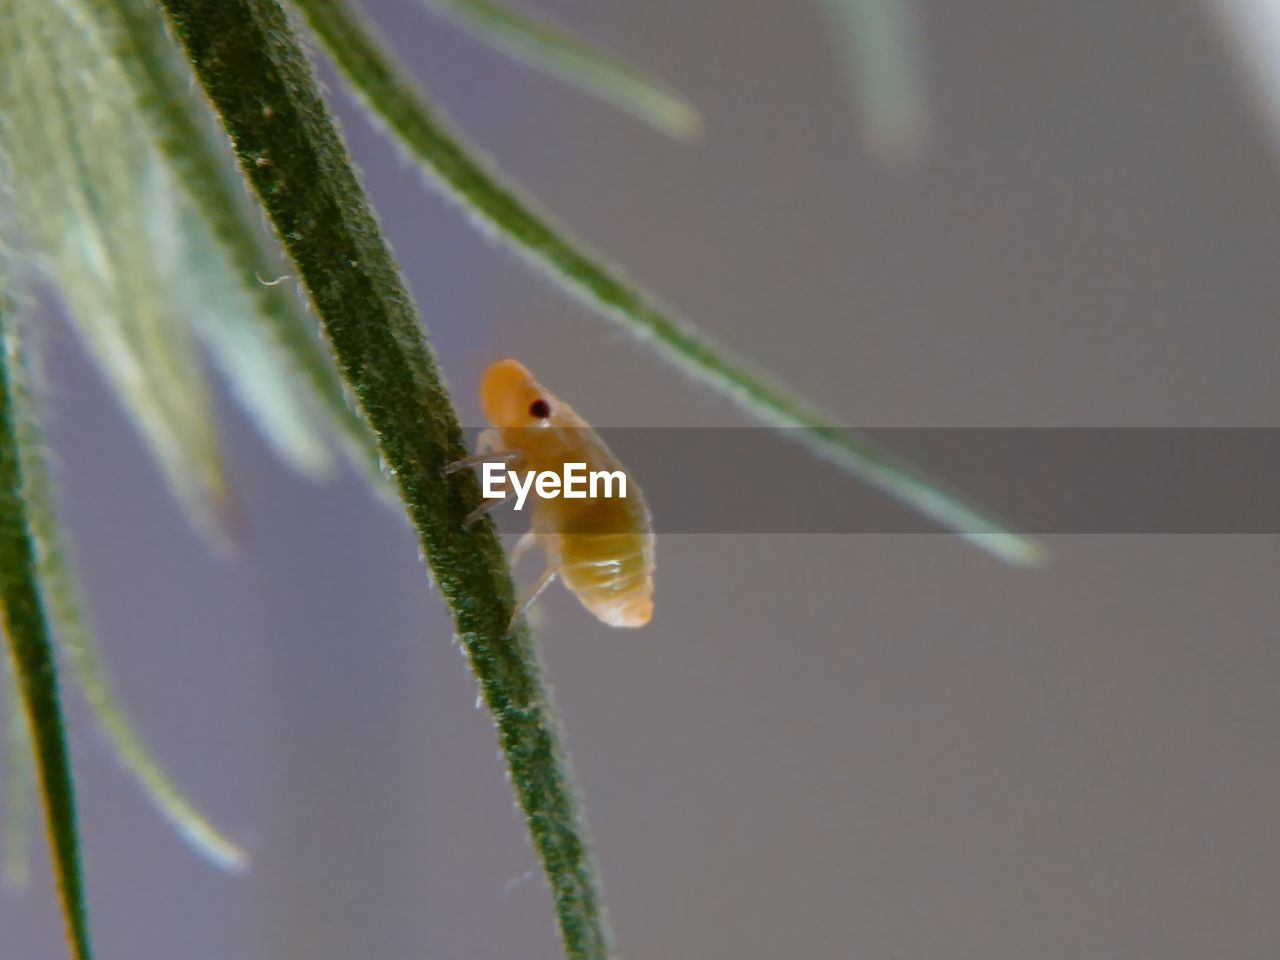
(548, 48)
(19, 787)
(355, 47)
(260, 82)
(36, 667)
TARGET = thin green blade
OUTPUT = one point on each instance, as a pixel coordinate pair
(36, 669)
(467, 179)
(19, 786)
(879, 44)
(88, 189)
(99, 212)
(67, 613)
(321, 213)
(254, 320)
(262, 375)
(551, 49)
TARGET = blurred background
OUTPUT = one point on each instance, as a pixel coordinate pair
(881, 747)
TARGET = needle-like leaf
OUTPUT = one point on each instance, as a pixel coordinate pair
(465, 177)
(261, 375)
(552, 49)
(255, 321)
(36, 666)
(879, 45)
(66, 612)
(259, 80)
(99, 214)
(87, 190)
(19, 786)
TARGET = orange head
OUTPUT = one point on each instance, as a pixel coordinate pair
(512, 398)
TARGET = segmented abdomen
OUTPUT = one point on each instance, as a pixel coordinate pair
(606, 558)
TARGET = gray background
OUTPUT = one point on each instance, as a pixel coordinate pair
(881, 747)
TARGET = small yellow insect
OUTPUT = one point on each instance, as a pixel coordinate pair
(602, 547)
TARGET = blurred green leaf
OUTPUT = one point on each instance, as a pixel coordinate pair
(879, 44)
(259, 370)
(252, 318)
(467, 178)
(36, 666)
(19, 785)
(103, 220)
(66, 612)
(551, 49)
(89, 186)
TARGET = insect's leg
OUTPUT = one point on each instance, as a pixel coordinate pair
(485, 506)
(532, 594)
(513, 457)
(486, 449)
(527, 540)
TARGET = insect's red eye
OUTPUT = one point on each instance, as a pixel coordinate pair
(540, 409)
